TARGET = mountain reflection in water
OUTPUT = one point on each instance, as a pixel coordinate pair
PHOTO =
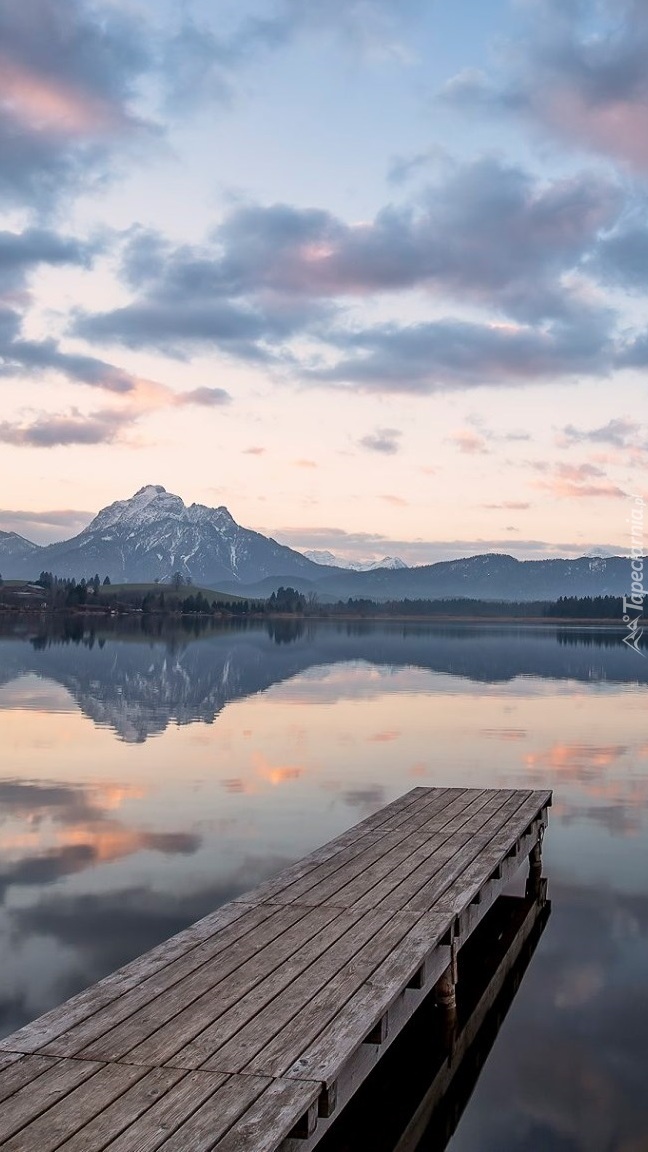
(150, 773)
(141, 680)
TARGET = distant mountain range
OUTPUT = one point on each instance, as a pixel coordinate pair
(494, 576)
(329, 560)
(154, 534)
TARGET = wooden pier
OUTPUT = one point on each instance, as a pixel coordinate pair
(415, 1097)
(249, 1031)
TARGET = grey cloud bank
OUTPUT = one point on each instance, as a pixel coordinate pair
(582, 88)
(488, 234)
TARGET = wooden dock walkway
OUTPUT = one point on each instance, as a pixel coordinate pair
(249, 1031)
(415, 1097)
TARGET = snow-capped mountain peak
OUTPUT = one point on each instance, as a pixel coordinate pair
(329, 560)
(150, 503)
(153, 535)
(393, 562)
(198, 513)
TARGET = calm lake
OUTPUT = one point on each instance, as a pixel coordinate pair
(149, 776)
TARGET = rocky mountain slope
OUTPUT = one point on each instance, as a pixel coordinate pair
(154, 535)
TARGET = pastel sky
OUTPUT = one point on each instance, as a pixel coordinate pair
(371, 273)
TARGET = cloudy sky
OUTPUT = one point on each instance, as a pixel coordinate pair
(372, 273)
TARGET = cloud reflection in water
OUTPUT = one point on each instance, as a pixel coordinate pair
(267, 744)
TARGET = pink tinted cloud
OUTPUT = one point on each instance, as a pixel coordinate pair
(45, 104)
(568, 490)
(205, 397)
(54, 430)
(469, 443)
(509, 506)
(618, 128)
(578, 472)
(580, 482)
(104, 426)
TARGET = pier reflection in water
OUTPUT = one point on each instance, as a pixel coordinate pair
(150, 773)
(415, 1099)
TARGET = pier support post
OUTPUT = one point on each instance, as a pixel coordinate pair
(534, 885)
(307, 1125)
(445, 994)
(327, 1102)
(445, 990)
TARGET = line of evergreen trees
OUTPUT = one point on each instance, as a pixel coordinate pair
(70, 593)
(180, 597)
(566, 607)
(587, 607)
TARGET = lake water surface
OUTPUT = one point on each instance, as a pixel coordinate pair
(148, 776)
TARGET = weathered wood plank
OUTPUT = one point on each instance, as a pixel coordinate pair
(7, 1058)
(192, 1040)
(316, 887)
(159, 1029)
(450, 859)
(20, 1071)
(159, 1001)
(167, 1114)
(511, 822)
(63, 1120)
(276, 1036)
(388, 854)
(203, 1130)
(273, 1115)
(427, 803)
(300, 868)
(325, 1056)
(371, 887)
(459, 894)
(390, 812)
(48, 1088)
(402, 1081)
(114, 1119)
(429, 853)
(427, 817)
